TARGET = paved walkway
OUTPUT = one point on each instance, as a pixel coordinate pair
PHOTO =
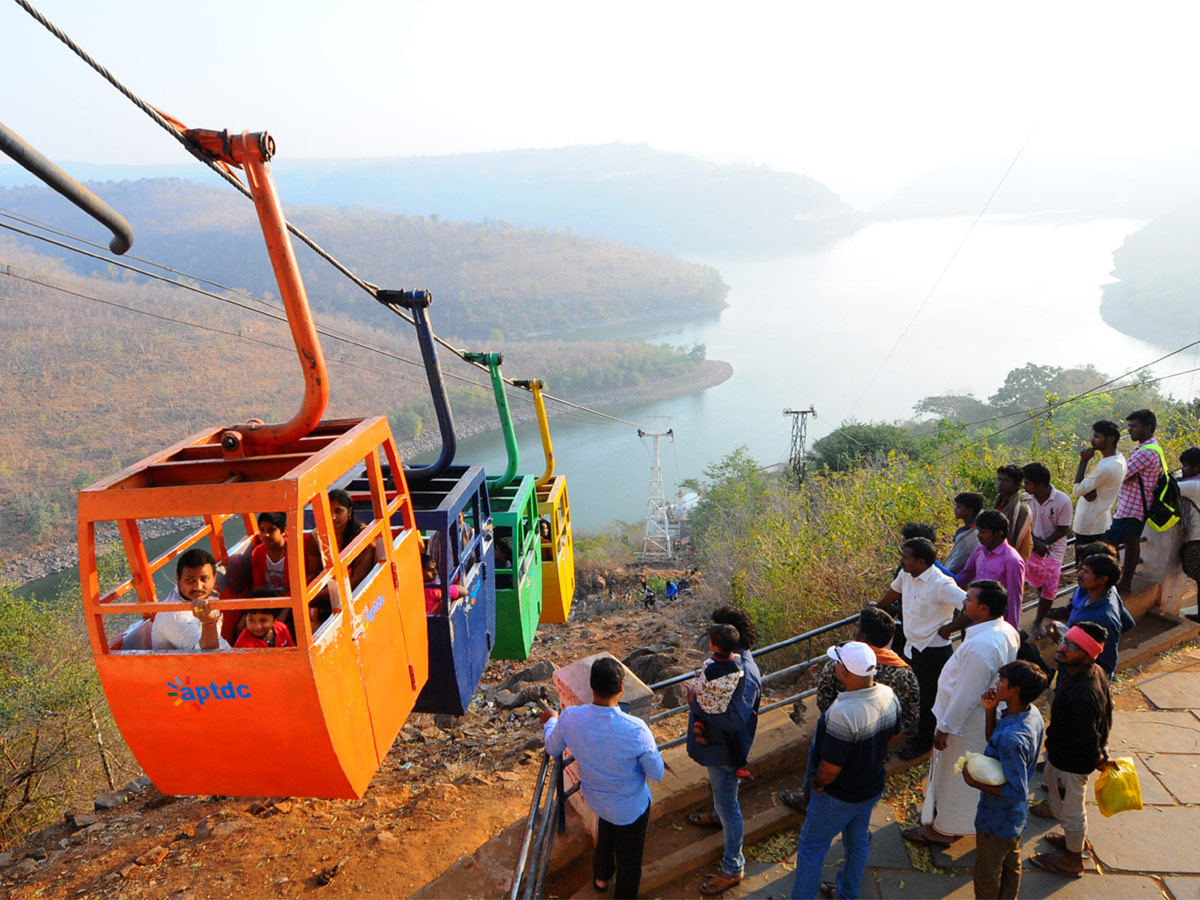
(1136, 854)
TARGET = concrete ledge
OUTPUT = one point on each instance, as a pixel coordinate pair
(1155, 633)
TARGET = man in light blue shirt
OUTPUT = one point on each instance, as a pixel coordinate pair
(616, 754)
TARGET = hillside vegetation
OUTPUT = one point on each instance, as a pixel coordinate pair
(799, 558)
(89, 388)
(485, 277)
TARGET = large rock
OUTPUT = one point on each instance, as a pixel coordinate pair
(111, 800)
(650, 665)
(540, 671)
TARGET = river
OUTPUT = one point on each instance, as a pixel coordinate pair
(813, 328)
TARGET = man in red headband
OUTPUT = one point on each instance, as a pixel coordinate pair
(1076, 744)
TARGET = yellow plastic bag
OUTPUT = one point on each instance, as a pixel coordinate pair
(1117, 788)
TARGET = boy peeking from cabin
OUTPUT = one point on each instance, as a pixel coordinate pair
(263, 629)
(433, 590)
(197, 629)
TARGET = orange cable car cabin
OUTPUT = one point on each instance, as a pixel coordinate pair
(315, 719)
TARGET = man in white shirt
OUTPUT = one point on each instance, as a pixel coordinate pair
(1098, 492)
(197, 629)
(1050, 510)
(929, 599)
(989, 643)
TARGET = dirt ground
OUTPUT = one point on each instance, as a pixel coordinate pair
(448, 786)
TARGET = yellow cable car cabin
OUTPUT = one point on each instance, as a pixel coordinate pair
(554, 526)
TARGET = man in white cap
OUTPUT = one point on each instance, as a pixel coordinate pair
(852, 744)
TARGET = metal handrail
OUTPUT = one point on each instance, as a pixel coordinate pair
(539, 816)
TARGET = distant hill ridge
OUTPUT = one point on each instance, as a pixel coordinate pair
(486, 277)
(625, 192)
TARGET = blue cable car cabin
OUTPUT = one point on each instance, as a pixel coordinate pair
(453, 513)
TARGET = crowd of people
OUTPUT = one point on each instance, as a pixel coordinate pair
(901, 686)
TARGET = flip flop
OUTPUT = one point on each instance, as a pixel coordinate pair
(919, 836)
(1048, 863)
(719, 883)
(704, 820)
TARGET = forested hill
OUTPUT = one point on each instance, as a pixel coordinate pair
(485, 277)
(1159, 279)
(624, 192)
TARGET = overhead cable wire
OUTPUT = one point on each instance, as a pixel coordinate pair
(171, 129)
(941, 275)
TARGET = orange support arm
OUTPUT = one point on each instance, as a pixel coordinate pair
(251, 152)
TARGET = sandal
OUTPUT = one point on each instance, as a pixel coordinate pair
(828, 890)
(1055, 864)
(719, 883)
(921, 836)
(704, 820)
(1059, 842)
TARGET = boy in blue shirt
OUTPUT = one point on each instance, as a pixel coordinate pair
(1003, 811)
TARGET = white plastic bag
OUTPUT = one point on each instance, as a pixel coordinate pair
(983, 768)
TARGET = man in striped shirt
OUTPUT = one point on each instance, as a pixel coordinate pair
(852, 745)
(1142, 470)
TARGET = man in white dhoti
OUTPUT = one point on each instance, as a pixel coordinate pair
(990, 643)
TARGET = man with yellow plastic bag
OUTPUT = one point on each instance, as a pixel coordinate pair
(1076, 744)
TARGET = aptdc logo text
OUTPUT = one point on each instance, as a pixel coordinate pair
(183, 691)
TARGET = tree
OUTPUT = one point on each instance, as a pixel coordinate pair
(856, 443)
(955, 407)
(1025, 388)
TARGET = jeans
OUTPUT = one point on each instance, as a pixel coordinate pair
(619, 848)
(826, 817)
(724, 783)
(810, 768)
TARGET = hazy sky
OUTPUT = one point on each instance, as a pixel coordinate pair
(858, 95)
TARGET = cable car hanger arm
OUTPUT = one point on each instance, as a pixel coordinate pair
(250, 152)
(29, 158)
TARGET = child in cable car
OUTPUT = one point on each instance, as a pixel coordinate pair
(433, 591)
(268, 561)
(346, 528)
(263, 629)
(195, 583)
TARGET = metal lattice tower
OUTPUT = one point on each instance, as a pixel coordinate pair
(656, 543)
(799, 439)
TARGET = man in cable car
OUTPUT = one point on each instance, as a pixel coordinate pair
(195, 583)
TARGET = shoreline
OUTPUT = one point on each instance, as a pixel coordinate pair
(710, 373)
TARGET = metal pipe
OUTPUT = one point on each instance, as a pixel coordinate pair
(417, 302)
(519, 871)
(535, 386)
(493, 361)
(543, 846)
(29, 158)
(251, 152)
